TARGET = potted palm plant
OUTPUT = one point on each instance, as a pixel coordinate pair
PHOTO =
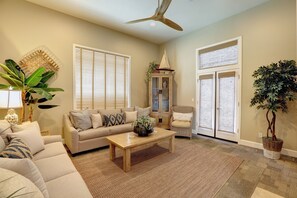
(275, 85)
(34, 87)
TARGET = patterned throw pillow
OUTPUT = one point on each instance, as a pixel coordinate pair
(114, 119)
(16, 149)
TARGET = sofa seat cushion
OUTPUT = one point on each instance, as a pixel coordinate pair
(70, 185)
(55, 167)
(181, 124)
(93, 133)
(120, 128)
(50, 150)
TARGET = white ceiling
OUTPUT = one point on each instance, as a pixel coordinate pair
(189, 14)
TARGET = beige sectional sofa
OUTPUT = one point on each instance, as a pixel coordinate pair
(50, 169)
(83, 140)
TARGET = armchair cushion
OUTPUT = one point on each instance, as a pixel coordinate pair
(181, 124)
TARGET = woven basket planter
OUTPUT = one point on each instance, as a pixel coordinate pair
(272, 148)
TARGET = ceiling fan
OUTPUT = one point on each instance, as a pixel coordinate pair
(159, 16)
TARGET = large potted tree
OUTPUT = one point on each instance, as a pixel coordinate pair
(275, 85)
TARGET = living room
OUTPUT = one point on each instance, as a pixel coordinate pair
(267, 32)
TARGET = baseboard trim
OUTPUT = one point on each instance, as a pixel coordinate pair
(289, 152)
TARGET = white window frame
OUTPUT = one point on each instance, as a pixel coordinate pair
(128, 90)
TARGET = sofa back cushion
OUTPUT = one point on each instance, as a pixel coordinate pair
(31, 135)
(81, 119)
(16, 185)
(143, 111)
(114, 119)
(26, 168)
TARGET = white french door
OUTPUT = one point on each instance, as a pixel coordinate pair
(218, 104)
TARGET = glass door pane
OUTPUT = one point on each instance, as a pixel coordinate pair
(205, 118)
(165, 94)
(226, 103)
(155, 94)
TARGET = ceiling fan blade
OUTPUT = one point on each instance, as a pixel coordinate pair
(139, 20)
(171, 24)
(164, 6)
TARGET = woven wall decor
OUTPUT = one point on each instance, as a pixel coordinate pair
(39, 57)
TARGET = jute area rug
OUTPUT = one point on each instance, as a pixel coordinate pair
(192, 171)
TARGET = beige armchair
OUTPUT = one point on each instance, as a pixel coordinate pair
(181, 120)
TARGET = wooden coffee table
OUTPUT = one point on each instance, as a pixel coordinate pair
(127, 141)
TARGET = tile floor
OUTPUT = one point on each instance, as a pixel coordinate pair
(276, 176)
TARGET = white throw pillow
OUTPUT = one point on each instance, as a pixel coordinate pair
(96, 120)
(18, 185)
(182, 116)
(28, 169)
(20, 127)
(131, 116)
(31, 136)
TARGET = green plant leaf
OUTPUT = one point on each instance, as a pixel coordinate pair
(46, 76)
(47, 106)
(10, 72)
(35, 78)
(42, 100)
(12, 81)
(13, 66)
(4, 86)
(41, 92)
(53, 89)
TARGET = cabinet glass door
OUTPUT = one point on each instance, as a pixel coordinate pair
(165, 94)
(155, 94)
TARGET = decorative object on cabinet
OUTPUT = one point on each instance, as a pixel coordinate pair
(164, 65)
(160, 98)
(39, 57)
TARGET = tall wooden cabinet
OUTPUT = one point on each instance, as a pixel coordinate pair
(160, 97)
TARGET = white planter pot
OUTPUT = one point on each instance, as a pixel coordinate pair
(271, 154)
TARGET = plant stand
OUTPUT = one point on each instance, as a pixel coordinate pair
(272, 148)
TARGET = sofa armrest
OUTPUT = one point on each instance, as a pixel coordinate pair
(70, 134)
(51, 139)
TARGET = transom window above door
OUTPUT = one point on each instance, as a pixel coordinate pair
(101, 79)
(219, 55)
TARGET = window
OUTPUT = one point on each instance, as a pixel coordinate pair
(101, 79)
(219, 55)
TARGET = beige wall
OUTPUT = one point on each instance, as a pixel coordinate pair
(25, 26)
(268, 35)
